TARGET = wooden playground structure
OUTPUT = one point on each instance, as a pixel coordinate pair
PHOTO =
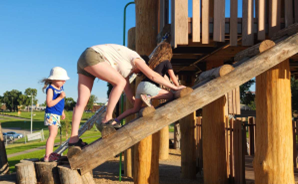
(262, 44)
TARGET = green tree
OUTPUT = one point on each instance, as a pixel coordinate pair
(31, 91)
(91, 101)
(69, 104)
(246, 96)
(11, 99)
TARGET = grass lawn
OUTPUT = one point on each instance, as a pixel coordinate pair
(37, 154)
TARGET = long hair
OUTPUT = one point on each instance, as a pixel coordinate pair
(46, 83)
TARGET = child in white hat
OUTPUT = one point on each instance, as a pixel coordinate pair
(55, 107)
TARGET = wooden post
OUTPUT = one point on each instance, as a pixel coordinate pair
(128, 154)
(188, 144)
(214, 162)
(177, 135)
(47, 173)
(25, 173)
(68, 176)
(251, 134)
(273, 162)
(164, 143)
(3, 156)
(146, 32)
(199, 144)
(294, 144)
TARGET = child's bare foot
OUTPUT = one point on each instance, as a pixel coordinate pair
(146, 99)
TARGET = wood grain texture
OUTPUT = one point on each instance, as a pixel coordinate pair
(219, 21)
(25, 173)
(98, 152)
(261, 19)
(47, 173)
(274, 16)
(289, 19)
(196, 20)
(205, 21)
(247, 23)
(180, 20)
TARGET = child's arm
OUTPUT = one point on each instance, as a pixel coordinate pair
(50, 101)
(63, 115)
(173, 77)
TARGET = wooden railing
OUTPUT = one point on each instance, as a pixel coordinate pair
(260, 19)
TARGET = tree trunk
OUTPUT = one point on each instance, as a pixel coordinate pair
(47, 173)
(25, 173)
(273, 162)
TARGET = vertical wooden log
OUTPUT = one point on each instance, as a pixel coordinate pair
(273, 161)
(164, 143)
(232, 155)
(247, 23)
(196, 20)
(205, 21)
(25, 173)
(274, 17)
(294, 145)
(47, 173)
(177, 135)
(233, 22)
(296, 12)
(199, 144)
(214, 162)
(146, 31)
(188, 151)
(227, 139)
(128, 154)
(219, 21)
(68, 176)
(3, 156)
(261, 20)
(188, 144)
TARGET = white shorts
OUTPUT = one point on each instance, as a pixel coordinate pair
(147, 88)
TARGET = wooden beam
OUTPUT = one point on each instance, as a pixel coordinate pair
(296, 8)
(98, 152)
(205, 21)
(274, 17)
(216, 72)
(219, 21)
(233, 23)
(196, 20)
(180, 22)
(247, 23)
(261, 20)
(4, 168)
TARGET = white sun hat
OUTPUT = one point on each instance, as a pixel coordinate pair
(58, 73)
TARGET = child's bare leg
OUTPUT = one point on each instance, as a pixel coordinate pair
(136, 108)
(53, 129)
(164, 94)
(105, 72)
(84, 90)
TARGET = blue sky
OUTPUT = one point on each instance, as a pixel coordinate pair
(36, 36)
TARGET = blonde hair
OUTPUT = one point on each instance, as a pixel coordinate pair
(46, 83)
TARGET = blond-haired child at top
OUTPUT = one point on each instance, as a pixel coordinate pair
(55, 108)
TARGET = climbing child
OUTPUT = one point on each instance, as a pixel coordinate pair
(147, 89)
(55, 105)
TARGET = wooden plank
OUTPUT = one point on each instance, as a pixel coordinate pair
(294, 144)
(230, 102)
(234, 101)
(261, 20)
(205, 21)
(173, 17)
(274, 17)
(296, 12)
(219, 21)
(247, 23)
(98, 152)
(237, 99)
(227, 137)
(180, 22)
(251, 134)
(236, 150)
(233, 22)
(289, 12)
(196, 20)
(243, 152)
(232, 155)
